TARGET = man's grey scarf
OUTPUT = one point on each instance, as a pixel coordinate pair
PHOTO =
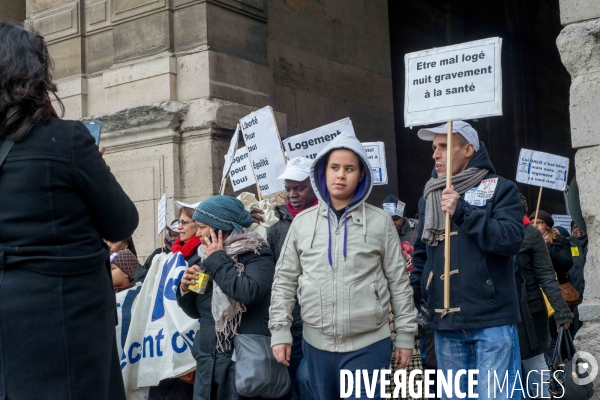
(435, 221)
(227, 312)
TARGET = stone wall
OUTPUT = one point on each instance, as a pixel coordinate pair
(579, 46)
(170, 78)
(330, 59)
(12, 11)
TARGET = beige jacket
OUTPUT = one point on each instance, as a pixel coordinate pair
(346, 273)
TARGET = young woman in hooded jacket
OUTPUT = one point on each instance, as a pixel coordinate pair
(343, 260)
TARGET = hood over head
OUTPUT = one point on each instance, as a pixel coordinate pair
(347, 141)
(481, 160)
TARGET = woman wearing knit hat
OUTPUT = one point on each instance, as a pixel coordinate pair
(236, 301)
(560, 255)
(122, 267)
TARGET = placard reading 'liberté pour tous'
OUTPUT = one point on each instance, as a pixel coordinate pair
(259, 131)
(462, 81)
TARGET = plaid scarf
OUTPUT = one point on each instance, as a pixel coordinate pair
(227, 312)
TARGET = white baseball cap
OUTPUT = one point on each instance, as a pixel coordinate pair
(298, 169)
(461, 127)
(181, 204)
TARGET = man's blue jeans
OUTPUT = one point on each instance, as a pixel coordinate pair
(493, 351)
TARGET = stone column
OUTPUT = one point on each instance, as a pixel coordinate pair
(168, 79)
(579, 46)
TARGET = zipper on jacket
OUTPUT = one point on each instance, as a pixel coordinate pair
(334, 324)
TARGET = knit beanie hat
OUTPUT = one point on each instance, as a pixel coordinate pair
(544, 216)
(223, 212)
(127, 262)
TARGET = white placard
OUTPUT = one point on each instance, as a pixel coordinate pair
(309, 144)
(462, 81)
(259, 130)
(162, 213)
(376, 154)
(233, 145)
(562, 220)
(542, 169)
(241, 174)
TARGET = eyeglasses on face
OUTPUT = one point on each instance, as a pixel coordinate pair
(183, 222)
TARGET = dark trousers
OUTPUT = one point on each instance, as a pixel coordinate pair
(324, 367)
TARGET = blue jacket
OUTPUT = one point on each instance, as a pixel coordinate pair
(487, 238)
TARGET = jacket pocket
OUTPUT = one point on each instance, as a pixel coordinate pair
(365, 310)
(486, 283)
(309, 298)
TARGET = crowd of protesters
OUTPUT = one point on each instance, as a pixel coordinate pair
(336, 284)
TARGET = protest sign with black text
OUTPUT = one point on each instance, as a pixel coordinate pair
(263, 143)
(309, 144)
(451, 83)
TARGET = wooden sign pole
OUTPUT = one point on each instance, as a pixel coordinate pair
(448, 225)
(224, 184)
(537, 208)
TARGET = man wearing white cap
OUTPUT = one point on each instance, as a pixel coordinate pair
(301, 196)
(478, 330)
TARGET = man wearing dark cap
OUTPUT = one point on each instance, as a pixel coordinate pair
(478, 329)
(407, 228)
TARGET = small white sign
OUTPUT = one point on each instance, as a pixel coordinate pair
(231, 153)
(542, 169)
(562, 220)
(259, 130)
(241, 174)
(395, 209)
(162, 213)
(309, 144)
(376, 154)
(462, 81)
(472, 198)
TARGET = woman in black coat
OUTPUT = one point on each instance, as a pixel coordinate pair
(534, 274)
(248, 289)
(562, 261)
(58, 200)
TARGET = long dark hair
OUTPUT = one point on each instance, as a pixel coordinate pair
(25, 81)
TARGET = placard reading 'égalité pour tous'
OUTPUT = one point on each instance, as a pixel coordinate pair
(259, 131)
(462, 81)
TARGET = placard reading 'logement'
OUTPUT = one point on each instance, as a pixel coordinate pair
(241, 174)
(259, 131)
(542, 169)
(309, 144)
(462, 81)
(376, 154)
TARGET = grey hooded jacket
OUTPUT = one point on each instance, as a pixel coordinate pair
(346, 272)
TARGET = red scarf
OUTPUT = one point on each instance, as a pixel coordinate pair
(186, 249)
(526, 220)
(296, 212)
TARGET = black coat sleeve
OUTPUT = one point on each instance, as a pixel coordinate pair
(187, 302)
(560, 254)
(419, 256)
(254, 284)
(545, 276)
(115, 214)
